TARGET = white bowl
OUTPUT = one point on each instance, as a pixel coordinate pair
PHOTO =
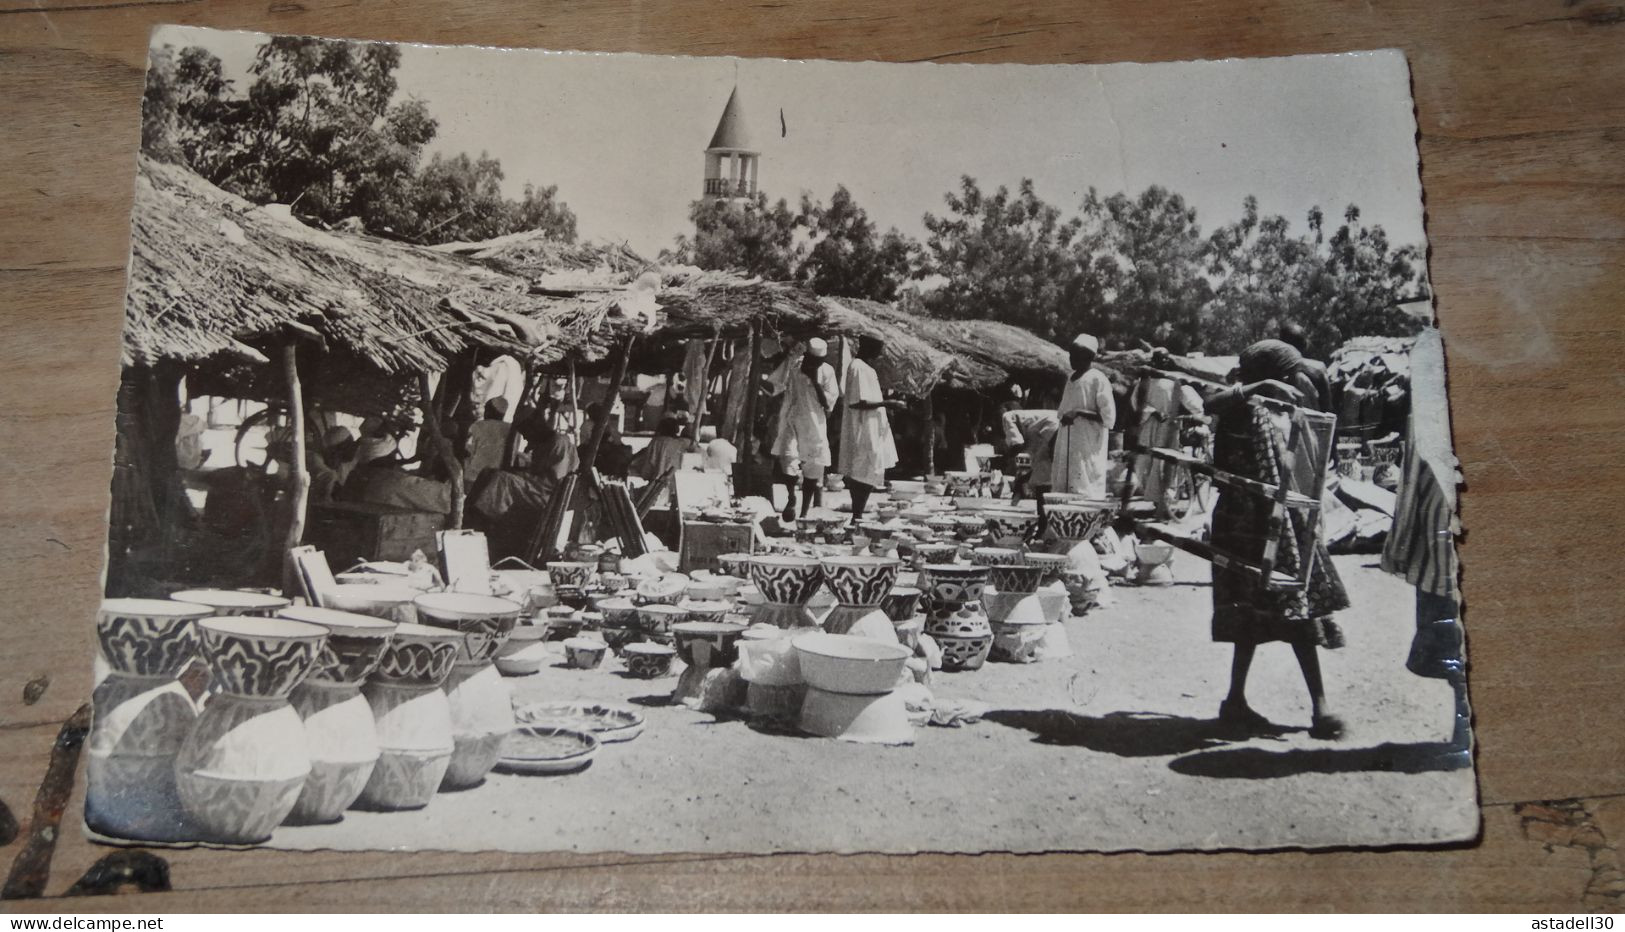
(850, 665)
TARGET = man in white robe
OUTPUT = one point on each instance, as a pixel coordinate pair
(867, 448)
(1086, 413)
(802, 444)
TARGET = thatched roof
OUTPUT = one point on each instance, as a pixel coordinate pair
(990, 352)
(215, 277)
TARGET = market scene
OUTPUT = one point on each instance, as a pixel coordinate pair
(527, 543)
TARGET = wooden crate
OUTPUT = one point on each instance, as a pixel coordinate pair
(349, 532)
(703, 541)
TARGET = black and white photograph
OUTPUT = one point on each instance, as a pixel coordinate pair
(542, 451)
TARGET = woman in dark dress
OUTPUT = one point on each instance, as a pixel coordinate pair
(1249, 442)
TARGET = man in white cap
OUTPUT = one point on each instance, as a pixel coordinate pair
(1086, 413)
(802, 445)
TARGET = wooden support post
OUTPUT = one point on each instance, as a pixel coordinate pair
(617, 372)
(442, 447)
(301, 466)
(705, 385)
(930, 434)
(745, 435)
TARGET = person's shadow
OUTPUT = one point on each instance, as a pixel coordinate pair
(1262, 764)
(1126, 734)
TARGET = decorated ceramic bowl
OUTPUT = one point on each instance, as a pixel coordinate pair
(951, 583)
(259, 657)
(1006, 524)
(707, 644)
(993, 556)
(1154, 554)
(1080, 521)
(925, 554)
(149, 637)
(901, 602)
(852, 666)
(786, 580)
(860, 580)
(567, 573)
(1063, 498)
(483, 620)
(647, 661)
(233, 601)
(964, 636)
(734, 564)
(619, 612)
(1052, 564)
(355, 643)
(418, 655)
(381, 600)
(656, 620)
(1018, 577)
(585, 653)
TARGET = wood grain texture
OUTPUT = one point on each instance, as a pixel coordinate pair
(1521, 107)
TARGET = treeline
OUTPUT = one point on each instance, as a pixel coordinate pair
(319, 128)
(1131, 269)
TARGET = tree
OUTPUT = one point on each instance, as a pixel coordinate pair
(321, 128)
(1005, 257)
(1147, 252)
(755, 238)
(847, 258)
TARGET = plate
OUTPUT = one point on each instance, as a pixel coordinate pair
(541, 749)
(610, 724)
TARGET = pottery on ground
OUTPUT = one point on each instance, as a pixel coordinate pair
(707, 644)
(566, 573)
(705, 610)
(1053, 564)
(484, 620)
(786, 580)
(963, 633)
(860, 580)
(952, 583)
(1004, 525)
(233, 601)
(524, 661)
(340, 735)
(655, 621)
(927, 554)
(413, 718)
(1080, 521)
(849, 665)
(993, 556)
(142, 716)
(585, 653)
(242, 768)
(901, 602)
(647, 661)
(392, 601)
(864, 719)
(734, 564)
(1008, 577)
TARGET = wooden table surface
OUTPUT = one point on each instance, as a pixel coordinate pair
(1522, 113)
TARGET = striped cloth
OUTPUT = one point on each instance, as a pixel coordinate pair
(1421, 546)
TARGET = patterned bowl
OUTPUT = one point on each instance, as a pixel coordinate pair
(951, 583)
(708, 644)
(354, 645)
(418, 655)
(259, 657)
(1064, 498)
(585, 653)
(925, 554)
(149, 637)
(619, 612)
(1006, 524)
(565, 573)
(233, 601)
(656, 620)
(705, 609)
(647, 661)
(483, 620)
(1019, 577)
(968, 526)
(993, 556)
(1053, 564)
(901, 603)
(380, 600)
(942, 524)
(734, 564)
(1080, 521)
(860, 580)
(786, 580)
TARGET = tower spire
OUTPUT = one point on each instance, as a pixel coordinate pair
(731, 157)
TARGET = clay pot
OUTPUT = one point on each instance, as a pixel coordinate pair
(1080, 521)
(233, 601)
(901, 602)
(1052, 565)
(648, 661)
(963, 634)
(246, 761)
(412, 716)
(707, 644)
(786, 580)
(993, 556)
(585, 653)
(340, 735)
(484, 620)
(864, 581)
(655, 621)
(481, 706)
(865, 719)
(1005, 525)
(142, 717)
(710, 611)
(851, 666)
(565, 573)
(951, 583)
(1016, 578)
(927, 554)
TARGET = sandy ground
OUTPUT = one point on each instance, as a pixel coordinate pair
(1114, 748)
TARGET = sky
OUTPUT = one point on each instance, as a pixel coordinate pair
(623, 136)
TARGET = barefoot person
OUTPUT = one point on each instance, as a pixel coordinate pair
(802, 445)
(1250, 443)
(867, 447)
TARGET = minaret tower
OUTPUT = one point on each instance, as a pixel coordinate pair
(730, 159)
